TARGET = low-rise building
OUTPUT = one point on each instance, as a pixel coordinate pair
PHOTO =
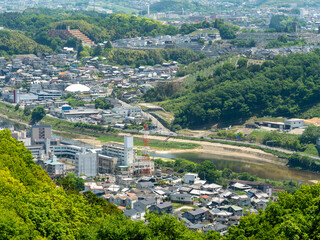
(181, 198)
(190, 178)
(196, 216)
(165, 207)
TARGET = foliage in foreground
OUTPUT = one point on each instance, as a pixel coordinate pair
(32, 207)
(292, 217)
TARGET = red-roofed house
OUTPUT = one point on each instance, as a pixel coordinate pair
(204, 200)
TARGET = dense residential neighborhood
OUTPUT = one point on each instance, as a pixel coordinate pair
(159, 119)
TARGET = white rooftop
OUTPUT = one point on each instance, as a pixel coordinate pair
(77, 88)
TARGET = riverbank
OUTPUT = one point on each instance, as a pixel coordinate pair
(218, 149)
(159, 144)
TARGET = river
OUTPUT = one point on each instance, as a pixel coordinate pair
(262, 169)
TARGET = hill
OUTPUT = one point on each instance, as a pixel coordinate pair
(32, 207)
(13, 42)
(97, 27)
(286, 86)
(292, 217)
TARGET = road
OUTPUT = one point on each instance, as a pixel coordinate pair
(161, 130)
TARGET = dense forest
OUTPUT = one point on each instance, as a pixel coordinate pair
(12, 42)
(286, 86)
(284, 23)
(35, 25)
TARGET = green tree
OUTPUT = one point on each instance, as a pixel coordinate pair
(27, 111)
(242, 62)
(108, 45)
(37, 114)
(97, 51)
(16, 108)
(226, 173)
(79, 49)
(310, 135)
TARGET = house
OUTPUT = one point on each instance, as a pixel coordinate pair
(145, 185)
(235, 210)
(294, 123)
(190, 178)
(234, 220)
(124, 200)
(165, 207)
(134, 214)
(260, 203)
(93, 187)
(218, 201)
(185, 189)
(147, 179)
(219, 227)
(226, 194)
(241, 200)
(204, 200)
(222, 216)
(264, 187)
(145, 203)
(197, 227)
(196, 216)
(211, 187)
(181, 198)
(239, 187)
(256, 194)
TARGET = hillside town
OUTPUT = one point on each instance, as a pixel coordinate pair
(118, 174)
(159, 119)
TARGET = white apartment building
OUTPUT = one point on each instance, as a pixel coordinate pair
(127, 111)
(86, 163)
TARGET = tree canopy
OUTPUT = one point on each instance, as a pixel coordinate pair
(287, 86)
(37, 114)
(291, 217)
(12, 42)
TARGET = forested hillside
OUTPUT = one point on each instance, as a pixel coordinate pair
(98, 28)
(292, 217)
(13, 42)
(32, 207)
(285, 87)
(151, 57)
